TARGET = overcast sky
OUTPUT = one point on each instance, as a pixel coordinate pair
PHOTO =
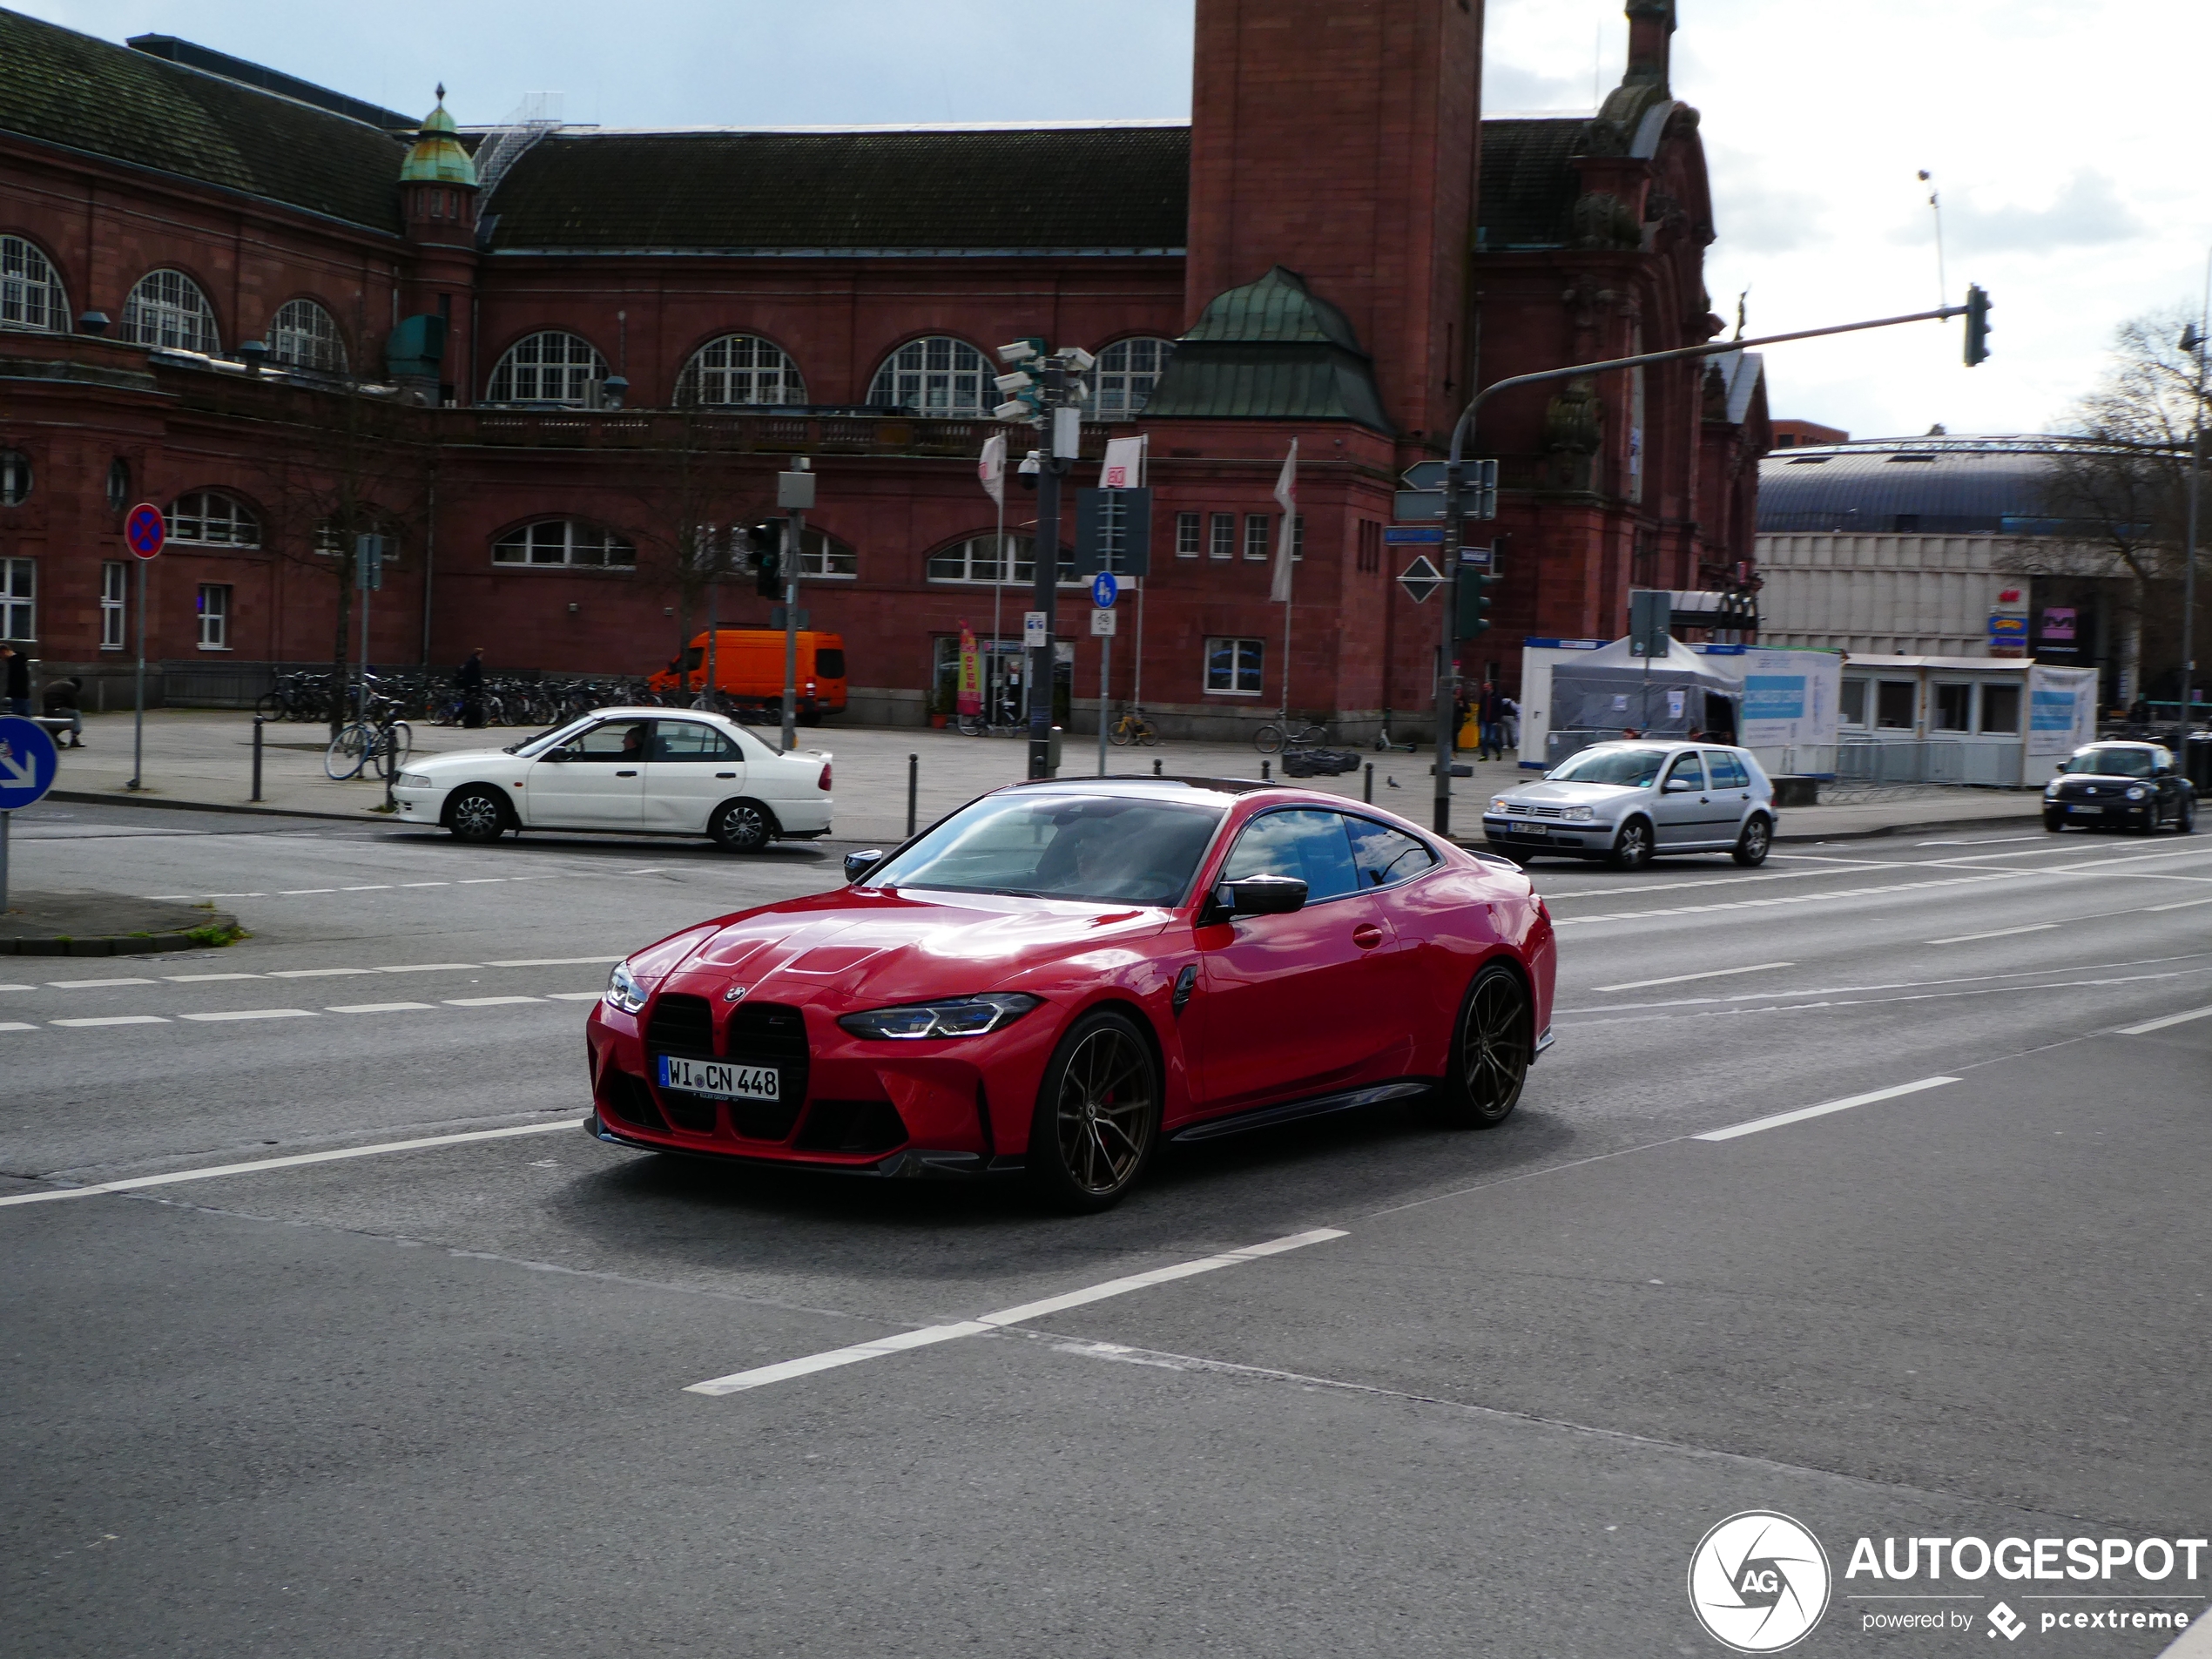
(2056, 130)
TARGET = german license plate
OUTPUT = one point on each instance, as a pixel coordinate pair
(1536, 830)
(719, 1079)
(2085, 809)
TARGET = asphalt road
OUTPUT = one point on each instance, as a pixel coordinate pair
(437, 1400)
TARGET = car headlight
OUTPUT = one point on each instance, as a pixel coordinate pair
(2051, 790)
(623, 991)
(415, 780)
(1578, 815)
(1498, 804)
(2136, 791)
(956, 1016)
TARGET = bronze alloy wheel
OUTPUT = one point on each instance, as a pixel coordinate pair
(1490, 1061)
(1099, 1115)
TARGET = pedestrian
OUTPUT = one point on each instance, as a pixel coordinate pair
(62, 703)
(19, 685)
(1513, 723)
(469, 680)
(1461, 709)
(1491, 710)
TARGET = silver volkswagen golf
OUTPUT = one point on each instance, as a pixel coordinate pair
(1625, 802)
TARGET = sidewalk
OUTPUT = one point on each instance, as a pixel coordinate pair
(204, 758)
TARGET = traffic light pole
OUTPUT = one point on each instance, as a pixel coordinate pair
(794, 534)
(1045, 567)
(1455, 480)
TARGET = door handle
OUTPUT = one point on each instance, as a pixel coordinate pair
(725, 774)
(625, 774)
(1366, 935)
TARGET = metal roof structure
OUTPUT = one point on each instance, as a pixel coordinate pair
(1932, 486)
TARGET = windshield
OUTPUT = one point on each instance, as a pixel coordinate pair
(2113, 763)
(1096, 847)
(546, 738)
(1634, 768)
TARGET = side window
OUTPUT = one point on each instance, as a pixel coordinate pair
(612, 742)
(1308, 843)
(1727, 772)
(690, 740)
(1385, 856)
(1687, 767)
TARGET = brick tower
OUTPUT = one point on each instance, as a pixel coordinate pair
(1339, 139)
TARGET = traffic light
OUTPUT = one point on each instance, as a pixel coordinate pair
(765, 552)
(1474, 587)
(1977, 325)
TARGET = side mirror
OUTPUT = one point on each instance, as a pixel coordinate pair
(1677, 786)
(857, 865)
(1261, 895)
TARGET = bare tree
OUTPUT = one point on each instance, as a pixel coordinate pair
(351, 463)
(695, 497)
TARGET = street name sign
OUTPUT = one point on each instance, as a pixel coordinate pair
(1412, 535)
(1421, 578)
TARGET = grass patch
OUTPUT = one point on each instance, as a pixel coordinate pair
(214, 934)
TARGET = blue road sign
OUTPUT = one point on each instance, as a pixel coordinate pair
(1104, 590)
(1411, 534)
(27, 762)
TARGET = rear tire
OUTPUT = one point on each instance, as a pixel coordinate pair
(1491, 1052)
(1097, 1119)
(477, 815)
(1632, 848)
(741, 826)
(2185, 820)
(1267, 740)
(1754, 844)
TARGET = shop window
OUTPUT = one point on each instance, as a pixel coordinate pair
(1234, 666)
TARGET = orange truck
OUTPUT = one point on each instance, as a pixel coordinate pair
(749, 666)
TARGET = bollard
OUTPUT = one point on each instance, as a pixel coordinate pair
(1156, 768)
(1267, 771)
(257, 757)
(914, 791)
(1369, 797)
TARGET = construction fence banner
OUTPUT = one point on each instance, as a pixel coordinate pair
(2061, 708)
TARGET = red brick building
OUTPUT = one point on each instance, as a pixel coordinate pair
(538, 358)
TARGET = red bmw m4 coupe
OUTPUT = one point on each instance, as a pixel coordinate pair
(1061, 975)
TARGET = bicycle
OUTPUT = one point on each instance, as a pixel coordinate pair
(375, 749)
(1273, 739)
(1133, 727)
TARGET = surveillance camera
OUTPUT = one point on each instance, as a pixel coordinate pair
(1075, 357)
(1020, 351)
(1017, 381)
(1012, 410)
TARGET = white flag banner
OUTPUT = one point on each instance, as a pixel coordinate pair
(1286, 533)
(991, 468)
(1124, 465)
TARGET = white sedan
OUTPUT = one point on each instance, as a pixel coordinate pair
(634, 771)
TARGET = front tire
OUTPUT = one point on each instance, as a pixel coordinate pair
(2054, 822)
(2185, 820)
(741, 826)
(1267, 740)
(1632, 848)
(1754, 844)
(1098, 1116)
(342, 759)
(1491, 1052)
(477, 815)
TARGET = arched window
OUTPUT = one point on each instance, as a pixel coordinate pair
(302, 335)
(554, 366)
(740, 368)
(31, 294)
(167, 308)
(977, 559)
(209, 518)
(938, 375)
(1127, 370)
(564, 541)
(15, 477)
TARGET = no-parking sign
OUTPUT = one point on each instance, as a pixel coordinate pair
(145, 531)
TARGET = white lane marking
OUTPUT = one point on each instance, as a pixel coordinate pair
(477, 881)
(116, 1019)
(566, 1124)
(171, 896)
(487, 1002)
(2186, 904)
(2001, 932)
(19, 988)
(1683, 978)
(424, 967)
(1796, 897)
(16, 1025)
(204, 979)
(377, 1008)
(426, 884)
(2149, 1026)
(254, 1014)
(574, 997)
(237, 895)
(374, 887)
(736, 1382)
(295, 893)
(1987, 841)
(1901, 984)
(316, 973)
(555, 962)
(1803, 1112)
(90, 984)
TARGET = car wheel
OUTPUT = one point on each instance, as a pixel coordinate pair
(1632, 848)
(2185, 820)
(477, 815)
(2054, 822)
(1097, 1118)
(1754, 844)
(2149, 825)
(741, 826)
(1491, 1052)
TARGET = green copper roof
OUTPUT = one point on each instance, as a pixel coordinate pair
(1270, 351)
(437, 157)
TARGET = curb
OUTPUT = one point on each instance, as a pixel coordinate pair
(123, 945)
(94, 797)
(2017, 821)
